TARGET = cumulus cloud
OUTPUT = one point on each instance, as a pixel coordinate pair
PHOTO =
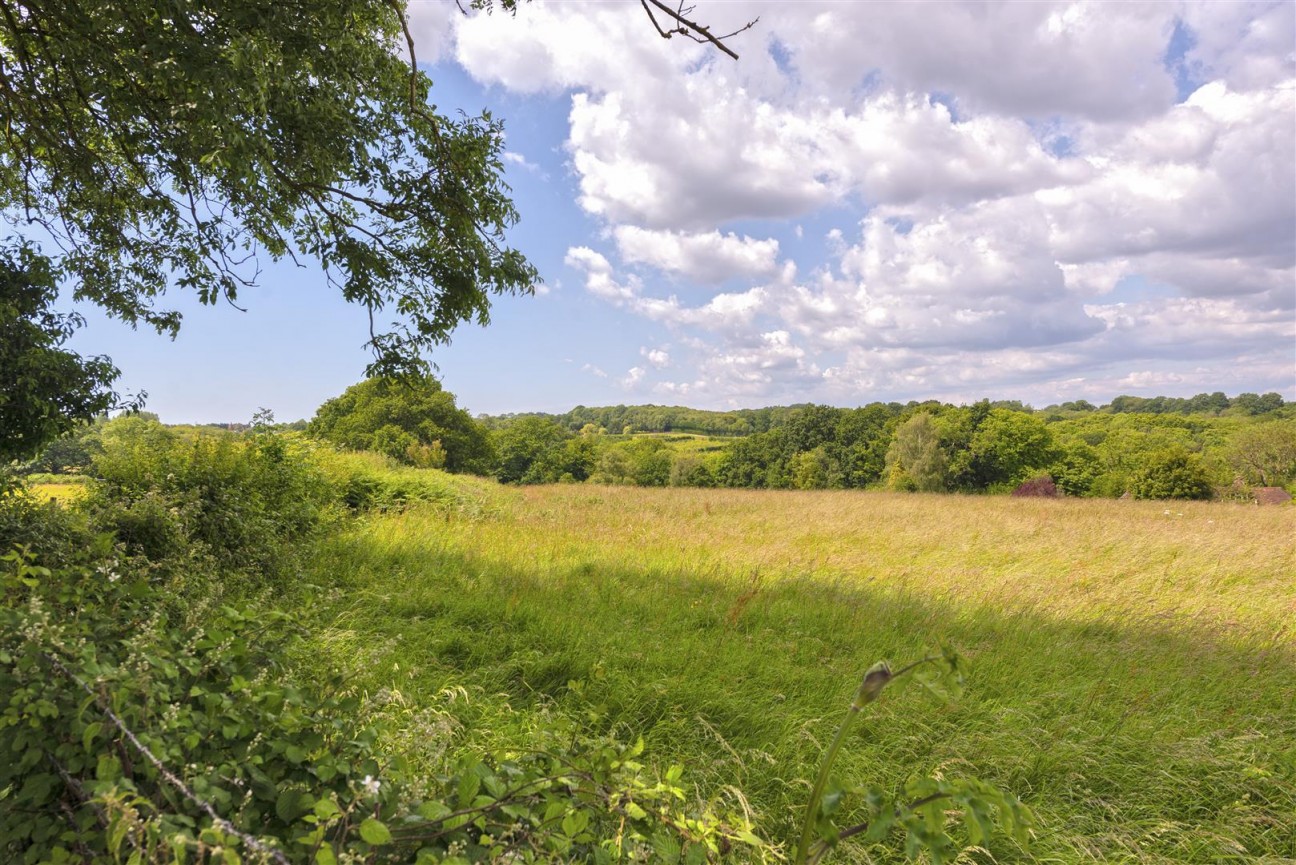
(709, 257)
(658, 357)
(924, 200)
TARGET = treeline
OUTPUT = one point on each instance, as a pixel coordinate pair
(630, 419)
(927, 447)
(626, 420)
(1073, 448)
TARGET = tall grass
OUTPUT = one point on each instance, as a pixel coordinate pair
(1133, 668)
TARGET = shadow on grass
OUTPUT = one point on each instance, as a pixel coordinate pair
(1131, 739)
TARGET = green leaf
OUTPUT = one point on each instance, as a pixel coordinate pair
(88, 734)
(375, 832)
(575, 823)
(434, 811)
(325, 808)
(469, 784)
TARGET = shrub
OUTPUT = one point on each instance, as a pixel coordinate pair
(1041, 486)
(1173, 473)
(240, 503)
(129, 737)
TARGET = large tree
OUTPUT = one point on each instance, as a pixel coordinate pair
(179, 145)
(408, 418)
(157, 146)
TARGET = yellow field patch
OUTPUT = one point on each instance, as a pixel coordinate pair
(60, 493)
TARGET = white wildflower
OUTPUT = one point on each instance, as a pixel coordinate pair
(371, 785)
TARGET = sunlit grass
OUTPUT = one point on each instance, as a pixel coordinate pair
(1133, 676)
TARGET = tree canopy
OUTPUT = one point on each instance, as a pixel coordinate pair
(44, 389)
(181, 145)
(411, 419)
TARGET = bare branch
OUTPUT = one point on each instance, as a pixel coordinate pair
(697, 32)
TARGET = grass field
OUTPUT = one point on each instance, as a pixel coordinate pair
(1133, 664)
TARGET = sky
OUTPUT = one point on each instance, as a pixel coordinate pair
(877, 201)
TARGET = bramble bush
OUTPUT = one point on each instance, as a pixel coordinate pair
(128, 737)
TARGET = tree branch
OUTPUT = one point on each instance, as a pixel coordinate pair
(697, 32)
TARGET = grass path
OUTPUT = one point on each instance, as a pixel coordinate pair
(1133, 671)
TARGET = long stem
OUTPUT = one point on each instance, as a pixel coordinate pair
(875, 679)
(807, 827)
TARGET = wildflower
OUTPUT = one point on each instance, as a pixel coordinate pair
(371, 785)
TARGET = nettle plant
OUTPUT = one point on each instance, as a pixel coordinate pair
(129, 738)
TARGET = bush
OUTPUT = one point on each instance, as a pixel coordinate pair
(1042, 487)
(239, 503)
(128, 736)
(1173, 473)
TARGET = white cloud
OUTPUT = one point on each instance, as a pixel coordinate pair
(656, 356)
(926, 200)
(710, 257)
(633, 376)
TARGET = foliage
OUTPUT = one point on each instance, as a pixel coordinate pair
(1006, 448)
(371, 482)
(133, 736)
(922, 813)
(175, 146)
(70, 453)
(1202, 403)
(58, 535)
(1173, 473)
(209, 502)
(528, 451)
(44, 390)
(411, 419)
(1265, 453)
(916, 459)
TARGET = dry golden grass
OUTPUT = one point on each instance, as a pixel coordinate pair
(1225, 568)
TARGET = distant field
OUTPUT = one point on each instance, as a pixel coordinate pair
(1133, 669)
(58, 492)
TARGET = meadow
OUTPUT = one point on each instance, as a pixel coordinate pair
(1132, 664)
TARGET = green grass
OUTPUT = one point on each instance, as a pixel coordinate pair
(1133, 670)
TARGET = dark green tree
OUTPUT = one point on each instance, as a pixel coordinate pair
(45, 390)
(402, 416)
(530, 451)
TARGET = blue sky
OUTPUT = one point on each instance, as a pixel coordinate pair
(878, 201)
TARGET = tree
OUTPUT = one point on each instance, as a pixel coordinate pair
(411, 419)
(1265, 453)
(1173, 473)
(915, 457)
(175, 146)
(1009, 447)
(529, 451)
(44, 390)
